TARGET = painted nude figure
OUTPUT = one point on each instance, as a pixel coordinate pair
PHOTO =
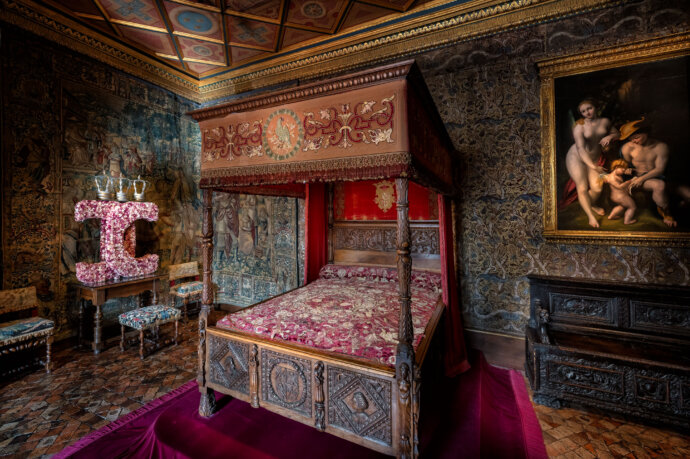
(625, 204)
(649, 158)
(584, 159)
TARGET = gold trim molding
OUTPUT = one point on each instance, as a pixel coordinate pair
(418, 30)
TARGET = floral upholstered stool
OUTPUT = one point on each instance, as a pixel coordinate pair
(149, 318)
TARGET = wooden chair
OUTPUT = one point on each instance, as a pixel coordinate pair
(19, 330)
(185, 284)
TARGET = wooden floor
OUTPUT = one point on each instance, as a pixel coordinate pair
(41, 414)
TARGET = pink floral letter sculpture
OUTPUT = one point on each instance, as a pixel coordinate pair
(118, 239)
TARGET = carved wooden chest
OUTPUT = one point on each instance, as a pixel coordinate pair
(620, 347)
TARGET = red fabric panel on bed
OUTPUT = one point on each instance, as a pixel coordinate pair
(455, 350)
(375, 200)
(315, 244)
(348, 310)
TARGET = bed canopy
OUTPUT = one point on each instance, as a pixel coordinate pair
(375, 124)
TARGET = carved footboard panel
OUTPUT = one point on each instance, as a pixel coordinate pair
(344, 397)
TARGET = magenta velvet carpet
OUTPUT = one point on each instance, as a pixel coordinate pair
(486, 413)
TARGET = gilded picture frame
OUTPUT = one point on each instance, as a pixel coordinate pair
(615, 123)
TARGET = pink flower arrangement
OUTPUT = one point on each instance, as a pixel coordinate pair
(118, 239)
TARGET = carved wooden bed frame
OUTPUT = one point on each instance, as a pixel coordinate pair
(391, 131)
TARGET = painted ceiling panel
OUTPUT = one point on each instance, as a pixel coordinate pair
(293, 36)
(252, 34)
(194, 21)
(202, 50)
(261, 9)
(361, 13)
(321, 15)
(144, 12)
(239, 55)
(201, 68)
(154, 41)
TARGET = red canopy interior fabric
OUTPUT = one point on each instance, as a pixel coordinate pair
(375, 200)
(316, 229)
(455, 351)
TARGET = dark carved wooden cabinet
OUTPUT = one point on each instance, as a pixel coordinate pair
(619, 347)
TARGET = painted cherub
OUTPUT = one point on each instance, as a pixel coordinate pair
(620, 192)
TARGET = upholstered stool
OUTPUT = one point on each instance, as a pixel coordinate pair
(20, 331)
(148, 318)
(189, 291)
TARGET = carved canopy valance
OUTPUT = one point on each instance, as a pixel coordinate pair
(369, 125)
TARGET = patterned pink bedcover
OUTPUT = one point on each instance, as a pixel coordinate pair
(351, 310)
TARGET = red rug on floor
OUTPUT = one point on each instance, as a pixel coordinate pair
(486, 413)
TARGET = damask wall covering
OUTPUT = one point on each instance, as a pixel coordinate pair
(66, 118)
(487, 92)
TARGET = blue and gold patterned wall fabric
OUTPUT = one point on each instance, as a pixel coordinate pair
(256, 247)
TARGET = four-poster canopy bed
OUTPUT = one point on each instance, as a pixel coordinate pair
(343, 353)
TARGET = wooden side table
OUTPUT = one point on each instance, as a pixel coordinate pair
(101, 292)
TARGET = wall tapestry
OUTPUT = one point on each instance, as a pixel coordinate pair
(65, 119)
(256, 246)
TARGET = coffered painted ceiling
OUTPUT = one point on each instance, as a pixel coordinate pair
(206, 37)
(210, 49)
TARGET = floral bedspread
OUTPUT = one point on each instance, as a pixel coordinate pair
(349, 310)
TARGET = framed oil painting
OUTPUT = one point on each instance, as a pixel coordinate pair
(616, 144)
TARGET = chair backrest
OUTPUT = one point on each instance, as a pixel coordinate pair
(183, 270)
(18, 299)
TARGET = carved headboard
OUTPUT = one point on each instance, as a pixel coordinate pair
(363, 226)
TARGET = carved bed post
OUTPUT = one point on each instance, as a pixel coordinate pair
(405, 358)
(207, 404)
